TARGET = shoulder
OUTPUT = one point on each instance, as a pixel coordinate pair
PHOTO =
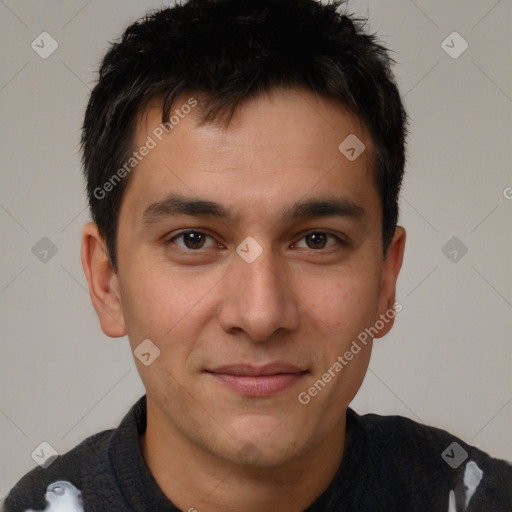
(63, 475)
(425, 459)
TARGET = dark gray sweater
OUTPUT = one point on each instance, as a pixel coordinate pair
(390, 463)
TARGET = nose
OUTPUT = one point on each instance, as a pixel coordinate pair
(259, 298)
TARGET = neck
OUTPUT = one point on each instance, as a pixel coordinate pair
(196, 480)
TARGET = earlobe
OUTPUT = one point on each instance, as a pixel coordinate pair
(390, 270)
(103, 282)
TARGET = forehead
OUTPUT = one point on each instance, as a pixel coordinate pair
(282, 145)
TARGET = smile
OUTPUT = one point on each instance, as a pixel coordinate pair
(258, 382)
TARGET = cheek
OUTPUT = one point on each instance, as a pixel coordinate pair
(163, 304)
(175, 310)
(170, 310)
(344, 302)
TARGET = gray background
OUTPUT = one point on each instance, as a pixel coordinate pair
(447, 362)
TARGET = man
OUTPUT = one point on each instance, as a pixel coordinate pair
(243, 162)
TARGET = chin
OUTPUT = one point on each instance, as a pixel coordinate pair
(263, 455)
(264, 442)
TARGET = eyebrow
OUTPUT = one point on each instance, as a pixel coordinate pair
(175, 205)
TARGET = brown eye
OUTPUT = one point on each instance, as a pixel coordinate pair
(192, 240)
(319, 240)
(316, 240)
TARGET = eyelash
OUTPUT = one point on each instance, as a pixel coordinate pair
(170, 241)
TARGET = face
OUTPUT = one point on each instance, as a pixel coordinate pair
(251, 257)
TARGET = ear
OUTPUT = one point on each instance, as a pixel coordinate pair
(103, 282)
(390, 269)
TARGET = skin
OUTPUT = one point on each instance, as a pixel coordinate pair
(207, 446)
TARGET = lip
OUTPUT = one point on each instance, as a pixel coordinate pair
(259, 381)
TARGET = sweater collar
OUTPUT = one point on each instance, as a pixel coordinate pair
(142, 493)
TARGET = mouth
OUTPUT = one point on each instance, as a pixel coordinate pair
(256, 381)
